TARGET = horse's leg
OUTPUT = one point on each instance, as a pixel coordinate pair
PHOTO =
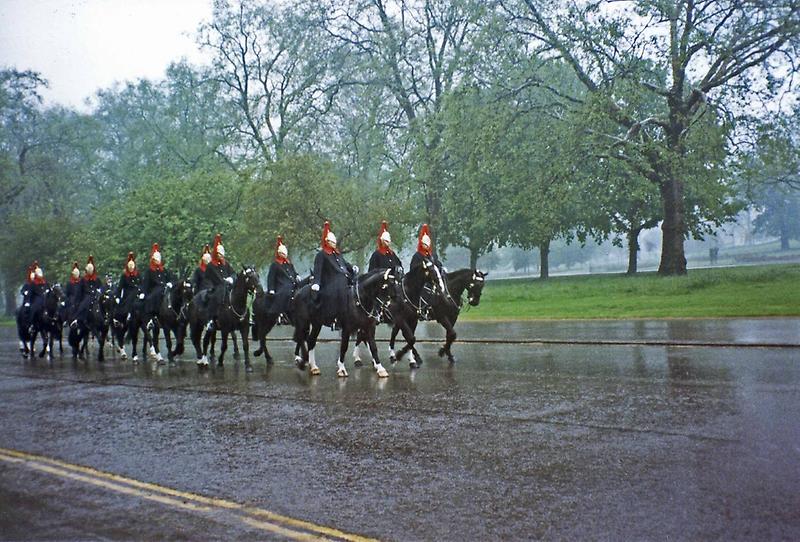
(168, 340)
(223, 348)
(43, 351)
(392, 355)
(180, 337)
(101, 343)
(450, 337)
(313, 369)
(157, 345)
(373, 348)
(344, 346)
(134, 332)
(300, 337)
(357, 350)
(262, 338)
(196, 331)
(119, 331)
(235, 345)
(408, 334)
(245, 330)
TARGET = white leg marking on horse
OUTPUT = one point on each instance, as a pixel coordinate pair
(379, 368)
(392, 356)
(411, 361)
(152, 351)
(357, 353)
(312, 362)
(122, 353)
(341, 371)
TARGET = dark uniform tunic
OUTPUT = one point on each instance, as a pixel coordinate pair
(282, 280)
(127, 289)
(333, 275)
(215, 275)
(33, 298)
(153, 288)
(87, 289)
(383, 261)
(426, 297)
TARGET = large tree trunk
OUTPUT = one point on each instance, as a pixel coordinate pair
(544, 260)
(473, 258)
(633, 250)
(673, 228)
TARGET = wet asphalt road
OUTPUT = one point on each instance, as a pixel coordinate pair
(551, 441)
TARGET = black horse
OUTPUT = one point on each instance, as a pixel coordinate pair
(173, 316)
(52, 323)
(360, 314)
(97, 324)
(265, 322)
(129, 318)
(31, 322)
(446, 308)
(403, 310)
(233, 315)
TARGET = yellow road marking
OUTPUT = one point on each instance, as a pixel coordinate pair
(190, 501)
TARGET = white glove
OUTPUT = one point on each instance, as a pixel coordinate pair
(229, 280)
(169, 285)
(272, 292)
(315, 287)
(117, 301)
(355, 270)
(141, 296)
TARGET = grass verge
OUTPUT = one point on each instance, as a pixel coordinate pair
(706, 293)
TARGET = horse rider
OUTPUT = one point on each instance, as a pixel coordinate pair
(425, 250)
(384, 257)
(219, 277)
(198, 278)
(281, 281)
(73, 284)
(153, 282)
(332, 276)
(425, 253)
(33, 292)
(127, 289)
(87, 289)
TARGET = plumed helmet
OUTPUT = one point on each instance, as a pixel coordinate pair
(131, 264)
(384, 235)
(328, 238)
(205, 259)
(76, 271)
(424, 242)
(90, 267)
(280, 249)
(155, 253)
(218, 249)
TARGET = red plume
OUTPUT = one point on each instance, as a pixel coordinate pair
(127, 272)
(383, 249)
(93, 276)
(72, 278)
(278, 258)
(424, 230)
(216, 259)
(156, 266)
(325, 246)
(206, 250)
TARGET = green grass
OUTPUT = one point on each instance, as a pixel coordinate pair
(7, 322)
(741, 291)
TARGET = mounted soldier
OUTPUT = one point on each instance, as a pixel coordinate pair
(333, 275)
(129, 280)
(384, 257)
(424, 250)
(33, 293)
(219, 277)
(199, 276)
(71, 291)
(281, 281)
(87, 288)
(153, 282)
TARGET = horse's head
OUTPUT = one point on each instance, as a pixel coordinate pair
(249, 276)
(475, 287)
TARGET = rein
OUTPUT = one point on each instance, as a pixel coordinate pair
(374, 316)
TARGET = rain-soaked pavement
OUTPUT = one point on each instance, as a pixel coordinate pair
(551, 440)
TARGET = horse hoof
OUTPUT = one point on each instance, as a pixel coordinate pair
(248, 368)
(269, 360)
(314, 371)
(341, 373)
(258, 352)
(135, 359)
(413, 365)
(441, 352)
(358, 363)
(452, 361)
(236, 355)
(383, 373)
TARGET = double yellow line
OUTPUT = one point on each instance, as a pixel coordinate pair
(257, 518)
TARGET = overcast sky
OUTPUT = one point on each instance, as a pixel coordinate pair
(80, 46)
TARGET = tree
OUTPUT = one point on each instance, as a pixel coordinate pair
(780, 215)
(684, 53)
(278, 72)
(296, 195)
(415, 52)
